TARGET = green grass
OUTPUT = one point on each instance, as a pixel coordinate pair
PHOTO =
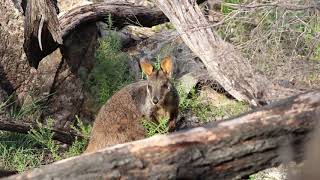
(153, 128)
(164, 26)
(206, 111)
(30, 109)
(225, 9)
(44, 136)
(110, 71)
(192, 101)
(19, 152)
(26, 151)
(79, 145)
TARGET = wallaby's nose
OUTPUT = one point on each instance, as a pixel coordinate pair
(155, 100)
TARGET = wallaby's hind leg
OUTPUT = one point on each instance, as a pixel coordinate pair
(93, 144)
(97, 140)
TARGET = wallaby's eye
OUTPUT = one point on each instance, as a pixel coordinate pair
(149, 88)
(165, 86)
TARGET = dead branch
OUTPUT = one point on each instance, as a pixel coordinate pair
(277, 4)
(120, 12)
(17, 125)
(222, 60)
(229, 149)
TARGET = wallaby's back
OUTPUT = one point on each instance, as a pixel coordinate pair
(118, 121)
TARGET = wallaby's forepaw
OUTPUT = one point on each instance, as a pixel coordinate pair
(171, 126)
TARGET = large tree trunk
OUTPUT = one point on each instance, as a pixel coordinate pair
(229, 149)
(14, 68)
(222, 60)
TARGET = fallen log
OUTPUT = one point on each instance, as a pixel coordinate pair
(232, 71)
(228, 149)
(19, 126)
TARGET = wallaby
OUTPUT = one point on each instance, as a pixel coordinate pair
(119, 120)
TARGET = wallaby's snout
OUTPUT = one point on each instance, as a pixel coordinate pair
(155, 100)
(159, 84)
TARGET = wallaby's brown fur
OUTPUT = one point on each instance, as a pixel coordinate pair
(119, 120)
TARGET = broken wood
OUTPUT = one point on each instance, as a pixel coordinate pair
(19, 126)
(223, 61)
(228, 149)
(14, 68)
(42, 32)
(122, 13)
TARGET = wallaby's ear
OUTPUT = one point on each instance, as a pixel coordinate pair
(167, 65)
(146, 67)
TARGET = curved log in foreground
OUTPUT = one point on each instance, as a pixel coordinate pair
(229, 149)
(16, 125)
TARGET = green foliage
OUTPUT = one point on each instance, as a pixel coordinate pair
(22, 152)
(156, 66)
(110, 70)
(30, 108)
(229, 109)
(82, 128)
(5, 104)
(192, 101)
(79, 145)
(44, 136)
(226, 9)
(196, 103)
(153, 128)
(164, 26)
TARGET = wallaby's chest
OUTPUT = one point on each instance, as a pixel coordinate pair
(161, 113)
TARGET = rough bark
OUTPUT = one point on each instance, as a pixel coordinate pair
(120, 12)
(14, 69)
(222, 60)
(42, 31)
(20, 126)
(229, 149)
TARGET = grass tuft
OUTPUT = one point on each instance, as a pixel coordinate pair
(153, 128)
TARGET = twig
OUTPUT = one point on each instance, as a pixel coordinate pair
(19, 126)
(287, 6)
